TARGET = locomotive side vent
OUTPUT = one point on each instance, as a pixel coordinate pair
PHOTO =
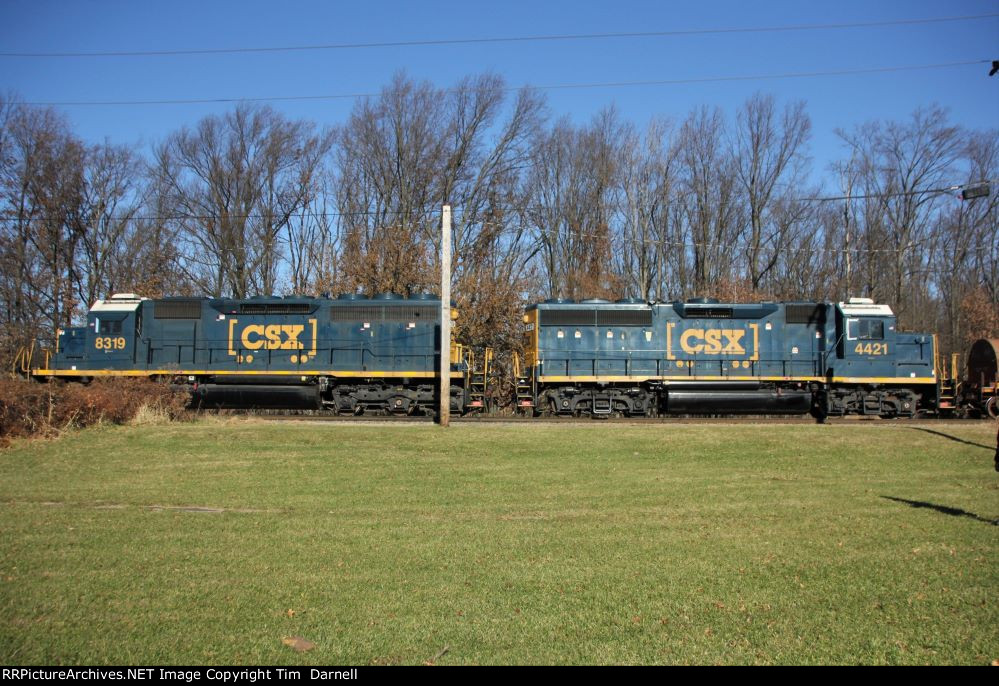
(275, 308)
(411, 314)
(624, 317)
(375, 313)
(708, 312)
(177, 309)
(805, 314)
(356, 313)
(567, 317)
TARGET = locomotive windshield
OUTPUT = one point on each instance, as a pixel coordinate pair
(865, 329)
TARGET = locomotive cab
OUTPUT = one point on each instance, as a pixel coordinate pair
(111, 330)
(873, 368)
(865, 338)
(106, 343)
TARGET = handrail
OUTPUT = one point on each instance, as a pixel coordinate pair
(22, 361)
(487, 359)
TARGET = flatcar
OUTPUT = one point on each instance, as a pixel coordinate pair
(351, 354)
(703, 356)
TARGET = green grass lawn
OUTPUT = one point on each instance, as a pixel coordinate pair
(597, 543)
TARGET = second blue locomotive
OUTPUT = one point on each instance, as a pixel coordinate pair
(706, 357)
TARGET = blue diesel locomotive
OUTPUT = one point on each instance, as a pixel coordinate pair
(350, 354)
(702, 356)
(354, 354)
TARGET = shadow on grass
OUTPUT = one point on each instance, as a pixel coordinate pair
(953, 438)
(952, 511)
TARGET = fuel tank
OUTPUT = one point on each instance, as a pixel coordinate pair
(738, 402)
(244, 396)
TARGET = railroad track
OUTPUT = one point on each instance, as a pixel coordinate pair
(635, 421)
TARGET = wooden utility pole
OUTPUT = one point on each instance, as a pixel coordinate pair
(445, 364)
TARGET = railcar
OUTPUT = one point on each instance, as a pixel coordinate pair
(702, 356)
(349, 354)
(976, 393)
(980, 390)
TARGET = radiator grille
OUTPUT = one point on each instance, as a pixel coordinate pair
(805, 314)
(567, 317)
(275, 308)
(376, 313)
(177, 309)
(624, 317)
(707, 312)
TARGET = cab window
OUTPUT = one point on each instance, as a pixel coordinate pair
(865, 329)
(107, 327)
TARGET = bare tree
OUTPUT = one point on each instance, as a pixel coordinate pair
(69, 232)
(965, 255)
(313, 236)
(235, 182)
(898, 163)
(42, 182)
(646, 204)
(710, 200)
(569, 205)
(770, 162)
(112, 188)
(414, 148)
(981, 215)
(794, 252)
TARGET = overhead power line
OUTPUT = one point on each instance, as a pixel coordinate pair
(942, 190)
(561, 86)
(504, 39)
(728, 245)
(431, 210)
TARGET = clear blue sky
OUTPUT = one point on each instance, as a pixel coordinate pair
(833, 101)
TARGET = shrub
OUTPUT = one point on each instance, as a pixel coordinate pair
(28, 408)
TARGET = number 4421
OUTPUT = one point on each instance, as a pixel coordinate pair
(871, 349)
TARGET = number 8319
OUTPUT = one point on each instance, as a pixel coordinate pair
(109, 343)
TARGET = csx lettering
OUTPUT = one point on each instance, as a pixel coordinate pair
(713, 341)
(273, 337)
